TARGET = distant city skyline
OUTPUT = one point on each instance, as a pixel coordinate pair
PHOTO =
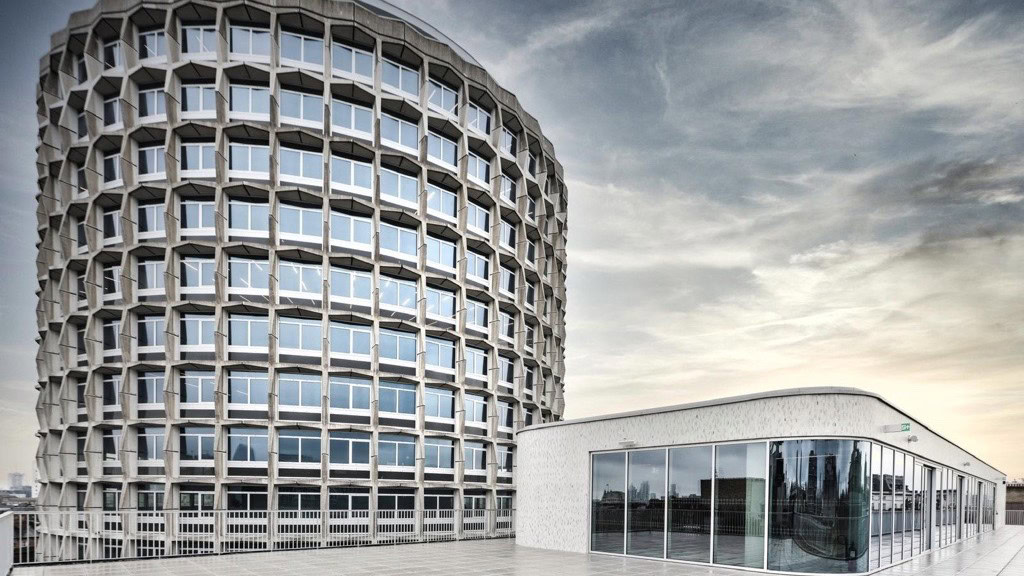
(763, 196)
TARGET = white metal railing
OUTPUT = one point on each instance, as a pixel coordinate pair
(1015, 517)
(40, 537)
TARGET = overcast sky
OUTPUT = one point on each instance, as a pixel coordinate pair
(762, 195)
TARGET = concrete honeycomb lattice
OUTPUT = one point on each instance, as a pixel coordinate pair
(179, 181)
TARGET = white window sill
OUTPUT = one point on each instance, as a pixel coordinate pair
(199, 55)
(301, 64)
(476, 130)
(113, 127)
(506, 153)
(151, 406)
(397, 308)
(198, 231)
(390, 468)
(442, 164)
(111, 353)
(243, 57)
(478, 378)
(113, 240)
(197, 406)
(349, 411)
(400, 255)
(432, 470)
(246, 406)
(399, 92)
(476, 279)
(248, 175)
(439, 420)
(203, 173)
(112, 184)
(297, 408)
(402, 363)
(158, 59)
(298, 352)
(355, 301)
(351, 76)
(478, 231)
(400, 147)
(506, 293)
(253, 116)
(476, 328)
(197, 347)
(351, 189)
(151, 292)
(302, 180)
(198, 290)
(149, 177)
(247, 463)
(449, 114)
(246, 233)
(301, 123)
(478, 182)
(446, 217)
(344, 131)
(351, 245)
(336, 466)
(282, 294)
(111, 297)
(444, 369)
(151, 349)
(399, 201)
(153, 118)
(288, 236)
(445, 319)
(198, 114)
(505, 338)
(443, 268)
(250, 291)
(248, 349)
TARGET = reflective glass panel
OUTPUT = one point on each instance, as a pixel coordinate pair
(607, 504)
(689, 514)
(740, 504)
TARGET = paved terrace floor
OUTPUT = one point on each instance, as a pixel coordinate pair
(999, 553)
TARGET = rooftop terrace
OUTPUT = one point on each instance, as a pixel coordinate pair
(998, 553)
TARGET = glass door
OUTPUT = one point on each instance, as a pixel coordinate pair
(928, 506)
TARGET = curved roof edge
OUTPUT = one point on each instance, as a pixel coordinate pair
(386, 9)
(783, 393)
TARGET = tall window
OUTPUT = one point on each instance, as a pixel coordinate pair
(196, 387)
(301, 223)
(508, 235)
(247, 387)
(477, 266)
(197, 275)
(350, 60)
(476, 410)
(249, 41)
(151, 277)
(438, 453)
(399, 186)
(478, 218)
(441, 149)
(350, 230)
(439, 403)
(299, 50)
(151, 443)
(476, 363)
(196, 444)
(476, 314)
(739, 504)
(112, 169)
(248, 275)
(198, 100)
(507, 326)
(508, 143)
(348, 393)
(508, 281)
(299, 335)
(440, 303)
(350, 284)
(248, 331)
(401, 78)
(152, 44)
(440, 354)
(198, 40)
(112, 55)
(396, 450)
(152, 104)
(475, 457)
(302, 166)
(248, 218)
(197, 157)
(151, 161)
(478, 168)
(351, 175)
(151, 332)
(506, 371)
(478, 119)
(301, 108)
(397, 398)
(401, 132)
(508, 189)
(397, 346)
(249, 101)
(112, 112)
(441, 252)
(151, 388)
(197, 330)
(350, 339)
(247, 444)
(440, 201)
(442, 97)
(352, 118)
(197, 215)
(297, 279)
(398, 293)
(349, 448)
(398, 240)
(299, 390)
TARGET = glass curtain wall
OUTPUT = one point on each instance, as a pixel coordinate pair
(819, 499)
(645, 535)
(832, 506)
(689, 502)
(608, 502)
(740, 504)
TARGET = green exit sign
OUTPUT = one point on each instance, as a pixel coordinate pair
(905, 427)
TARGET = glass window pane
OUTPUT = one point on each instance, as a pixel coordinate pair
(689, 480)
(608, 491)
(646, 499)
(739, 504)
(819, 501)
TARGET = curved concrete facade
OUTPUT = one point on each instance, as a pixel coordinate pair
(273, 230)
(554, 500)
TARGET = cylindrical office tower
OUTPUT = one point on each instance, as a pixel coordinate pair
(297, 256)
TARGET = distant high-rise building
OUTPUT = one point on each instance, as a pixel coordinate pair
(306, 256)
(15, 480)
